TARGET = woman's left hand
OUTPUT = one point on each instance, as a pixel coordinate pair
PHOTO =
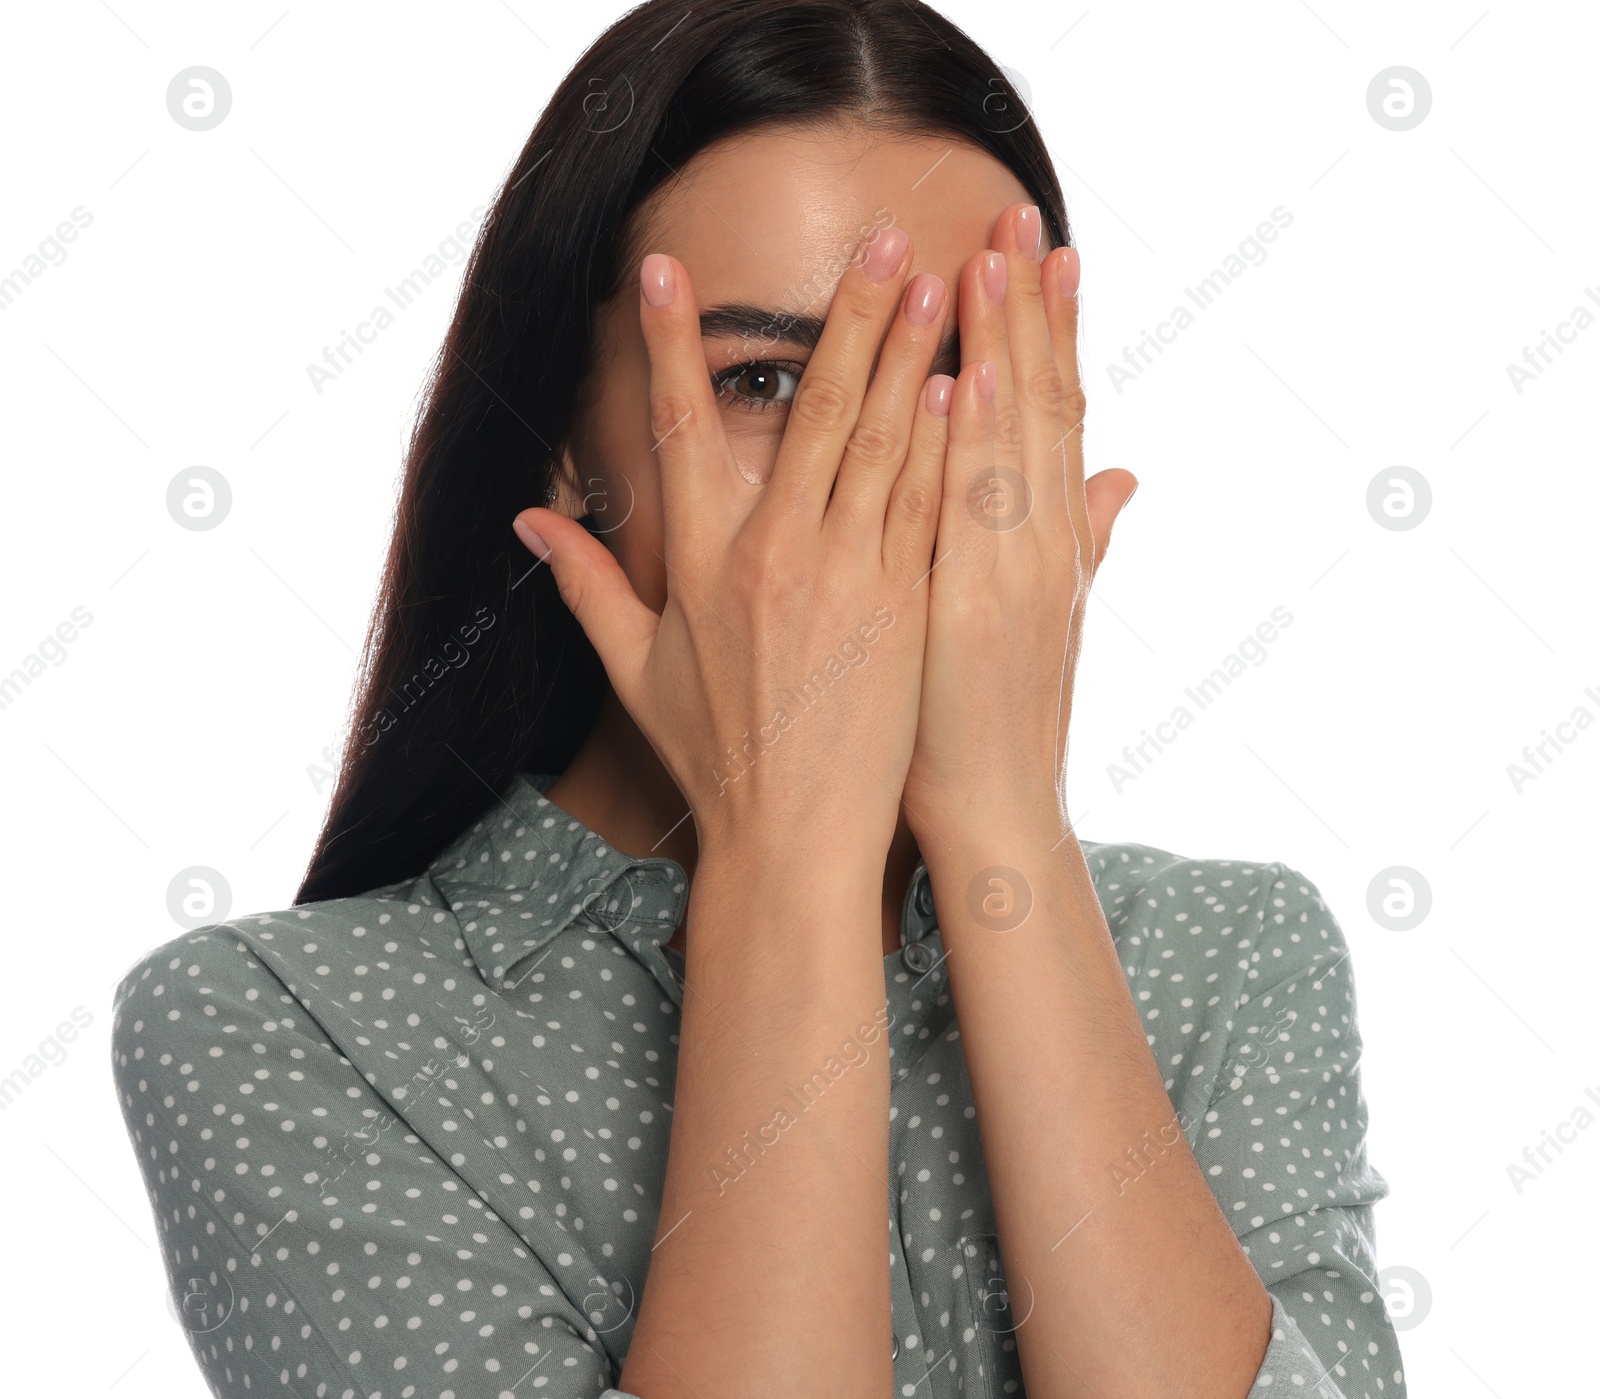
(1020, 537)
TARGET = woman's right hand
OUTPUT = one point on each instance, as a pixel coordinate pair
(780, 683)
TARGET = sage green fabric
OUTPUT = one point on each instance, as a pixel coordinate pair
(412, 1143)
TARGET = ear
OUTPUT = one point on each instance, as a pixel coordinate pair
(569, 492)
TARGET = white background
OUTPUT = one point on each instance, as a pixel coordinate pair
(184, 726)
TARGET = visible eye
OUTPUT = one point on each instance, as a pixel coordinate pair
(759, 385)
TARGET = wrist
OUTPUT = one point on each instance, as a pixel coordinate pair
(989, 874)
(837, 848)
(977, 823)
(805, 882)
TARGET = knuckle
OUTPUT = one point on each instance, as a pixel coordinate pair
(776, 582)
(820, 403)
(1044, 388)
(860, 312)
(916, 504)
(1029, 289)
(668, 411)
(875, 445)
(765, 562)
(1008, 428)
(1076, 406)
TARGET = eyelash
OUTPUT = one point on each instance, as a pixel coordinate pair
(721, 383)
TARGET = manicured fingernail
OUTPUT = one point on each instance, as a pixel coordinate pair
(532, 539)
(656, 279)
(1027, 231)
(1070, 270)
(994, 277)
(939, 394)
(924, 297)
(988, 380)
(884, 254)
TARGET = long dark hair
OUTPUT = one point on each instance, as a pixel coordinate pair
(473, 669)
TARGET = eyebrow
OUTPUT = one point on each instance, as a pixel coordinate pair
(768, 326)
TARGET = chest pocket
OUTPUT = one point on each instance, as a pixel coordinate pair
(991, 1344)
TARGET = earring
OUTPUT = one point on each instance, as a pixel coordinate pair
(551, 493)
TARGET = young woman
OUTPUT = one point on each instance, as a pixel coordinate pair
(697, 913)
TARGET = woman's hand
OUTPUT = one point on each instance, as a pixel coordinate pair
(1020, 537)
(1151, 1297)
(779, 684)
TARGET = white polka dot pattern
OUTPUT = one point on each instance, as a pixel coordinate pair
(412, 1143)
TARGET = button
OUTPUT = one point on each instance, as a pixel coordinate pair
(896, 1351)
(918, 957)
(925, 898)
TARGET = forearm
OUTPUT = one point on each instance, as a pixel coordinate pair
(770, 1271)
(1126, 1289)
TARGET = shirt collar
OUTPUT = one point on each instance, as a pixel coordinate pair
(526, 871)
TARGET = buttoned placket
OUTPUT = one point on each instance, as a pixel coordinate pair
(914, 978)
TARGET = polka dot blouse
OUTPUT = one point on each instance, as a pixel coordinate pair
(412, 1143)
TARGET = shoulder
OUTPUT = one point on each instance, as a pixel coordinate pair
(256, 960)
(1259, 909)
(1212, 947)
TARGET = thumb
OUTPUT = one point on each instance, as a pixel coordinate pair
(1106, 493)
(597, 592)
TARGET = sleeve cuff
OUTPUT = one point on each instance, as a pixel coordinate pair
(1290, 1366)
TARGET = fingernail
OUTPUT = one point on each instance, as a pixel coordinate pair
(656, 279)
(924, 297)
(884, 254)
(988, 380)
(938, 395)
(1028, 226)
(994, 277)
(1070, 270)
(532, 538)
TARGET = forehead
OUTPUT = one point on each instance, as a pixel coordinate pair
(773, 216)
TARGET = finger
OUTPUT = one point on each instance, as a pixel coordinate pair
(974, 498)
(700, 485)
(827, 402)
(985, 285)
(597, 592)
(875, 452)
(1038, 381)
(1107, 494)
(1059, 286)
(913, 507)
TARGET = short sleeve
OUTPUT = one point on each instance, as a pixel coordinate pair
(313, 1244)
(1283, 1146)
